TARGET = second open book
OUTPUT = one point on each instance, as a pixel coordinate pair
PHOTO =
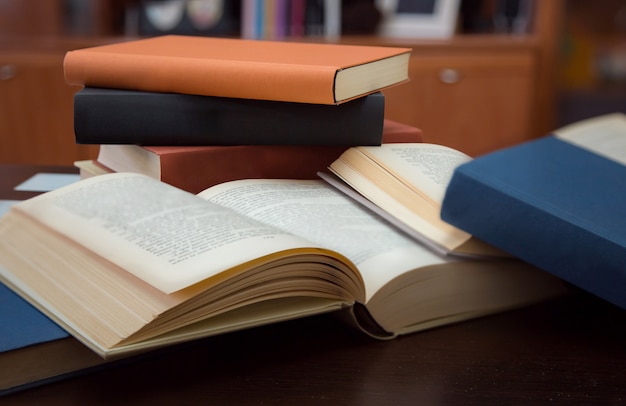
(405, 184)
(127, 263)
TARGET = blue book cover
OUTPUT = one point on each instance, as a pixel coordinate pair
(22, 325)
(552, 203)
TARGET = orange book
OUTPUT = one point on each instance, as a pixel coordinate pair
(246, 69)
(194, 168)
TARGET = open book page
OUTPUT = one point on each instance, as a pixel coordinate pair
(438, 240)
(167, 237)
(420, 220)
(605, 135)
(425, 168)
(316, 212)
(407, 182)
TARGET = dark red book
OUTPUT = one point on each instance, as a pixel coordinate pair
(194, 168)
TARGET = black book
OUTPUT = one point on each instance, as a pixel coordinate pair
(115, 116)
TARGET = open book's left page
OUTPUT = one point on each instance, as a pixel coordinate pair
(168, 238)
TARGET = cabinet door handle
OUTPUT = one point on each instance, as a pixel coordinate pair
(7, 72)
(449, 76)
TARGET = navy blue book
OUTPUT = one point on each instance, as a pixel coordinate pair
(33, 349)
(22, 325)
(558, 202)
(114, 116)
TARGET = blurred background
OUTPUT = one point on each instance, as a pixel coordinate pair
(511, 71)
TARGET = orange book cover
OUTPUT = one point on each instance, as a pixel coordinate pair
(195, 168)
(249, 69)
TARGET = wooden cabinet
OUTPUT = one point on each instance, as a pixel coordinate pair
(475, 104)
(475, 100)
(36, 107)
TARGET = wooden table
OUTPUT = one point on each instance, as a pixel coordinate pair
(566, 351)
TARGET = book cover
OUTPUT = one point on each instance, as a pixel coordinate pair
(22, 325)
(240, 68)
(194, 168)
(555, 203)
(117, 116)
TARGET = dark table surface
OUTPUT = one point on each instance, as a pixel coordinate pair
(571, 350)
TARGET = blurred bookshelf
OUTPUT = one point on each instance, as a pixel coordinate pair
(592, 69)
(491, 84)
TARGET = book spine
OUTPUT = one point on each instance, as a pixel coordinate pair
(258, 81)
(248, 19)
(112, 116)
(296, 24)
(332, 19)
(281, 19)
(259, 22)
(269, 19)
(550, 240)
(195, 168)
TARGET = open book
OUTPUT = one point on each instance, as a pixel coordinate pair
(127, 263)
(405, 184)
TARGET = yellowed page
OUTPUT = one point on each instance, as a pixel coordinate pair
(169, 238)
(425, 225)
(426, 168)
(408, 182)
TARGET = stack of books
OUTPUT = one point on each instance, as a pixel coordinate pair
(195, 167)
(198, 111)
